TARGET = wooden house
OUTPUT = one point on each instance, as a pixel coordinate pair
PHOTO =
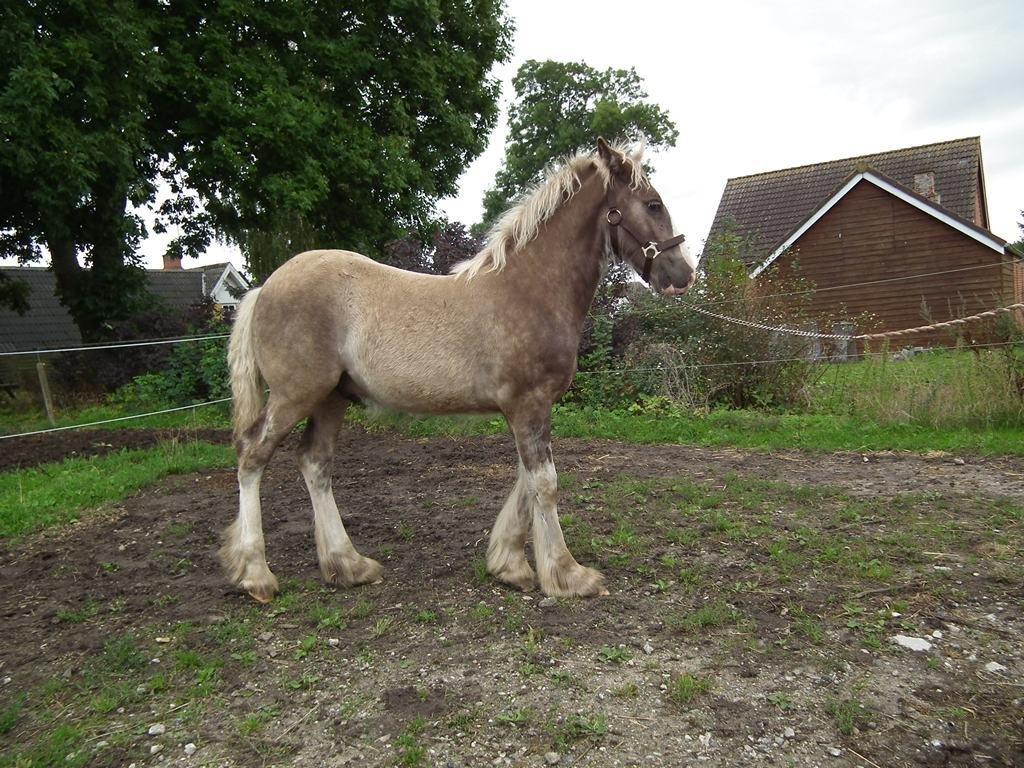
(901, 236)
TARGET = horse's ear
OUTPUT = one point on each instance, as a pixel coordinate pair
(612, 158)
(637, 155)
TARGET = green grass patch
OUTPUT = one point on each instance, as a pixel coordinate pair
(62, 721)
(52, 494)
(758, 430)
(614, 654)
(685, 688)
(410, 751)
(18, 418)
(755, 430)
(578, 728)
(64, 746)
(9, 714)
(375, 420)
(847, 715)
(254, 722)
(712, 616)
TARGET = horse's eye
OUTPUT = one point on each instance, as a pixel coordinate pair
(655, 206)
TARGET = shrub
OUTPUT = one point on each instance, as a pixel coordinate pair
(95, 372)
(637, 346)
(191, 372)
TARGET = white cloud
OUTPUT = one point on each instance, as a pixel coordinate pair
(757, 86)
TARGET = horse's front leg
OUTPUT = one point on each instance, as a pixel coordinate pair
(559, 573)
(506, 552)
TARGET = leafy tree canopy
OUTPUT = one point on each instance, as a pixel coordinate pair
(14, 294)
(450, 244)
(263, 119)
(562, 107)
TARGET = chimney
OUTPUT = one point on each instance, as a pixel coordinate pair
(924, 185)
(172, 262)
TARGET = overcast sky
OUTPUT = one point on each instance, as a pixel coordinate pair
(757, 86)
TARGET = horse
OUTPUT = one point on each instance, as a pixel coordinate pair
(499, 334)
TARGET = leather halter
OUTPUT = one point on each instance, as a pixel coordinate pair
(651, 249)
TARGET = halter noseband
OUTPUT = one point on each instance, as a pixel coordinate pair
(651, 250)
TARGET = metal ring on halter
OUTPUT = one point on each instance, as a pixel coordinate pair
(614, 219)
(649, 258)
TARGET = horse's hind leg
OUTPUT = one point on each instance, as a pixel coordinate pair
(340, 563)
(557, 570)
(243, 554)
(506, 552)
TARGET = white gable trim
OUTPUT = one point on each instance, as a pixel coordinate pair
(903, 195)
(229, 270)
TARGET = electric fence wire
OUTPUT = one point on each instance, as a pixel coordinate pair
(119, 418)
(116, 345)
(601, 372)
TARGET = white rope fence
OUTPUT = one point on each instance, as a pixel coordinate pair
(881, 281)
(948, 324)
(861, 336)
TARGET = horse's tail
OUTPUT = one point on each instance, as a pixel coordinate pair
(246, 382)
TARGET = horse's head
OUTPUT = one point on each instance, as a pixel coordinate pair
(639, 227)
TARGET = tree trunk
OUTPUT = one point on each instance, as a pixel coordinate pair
(107, 292)
(68, 274)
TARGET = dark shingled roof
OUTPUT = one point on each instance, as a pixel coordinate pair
(47, 324)
(179, 288)
(212, 273)
(767, 207)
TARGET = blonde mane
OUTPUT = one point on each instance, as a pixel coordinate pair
(521, 223)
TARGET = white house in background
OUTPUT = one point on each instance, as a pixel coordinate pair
(47, 324)
(220, 282)
(223, 283)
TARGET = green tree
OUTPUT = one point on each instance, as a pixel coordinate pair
(74, 149)
(266, 121)
(14, 294)
(561, 107)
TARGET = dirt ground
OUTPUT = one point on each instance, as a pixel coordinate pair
(755, 604)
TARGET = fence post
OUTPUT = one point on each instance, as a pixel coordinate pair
(845, 350)
(44, 385)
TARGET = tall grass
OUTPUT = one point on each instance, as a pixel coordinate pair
(941, 390)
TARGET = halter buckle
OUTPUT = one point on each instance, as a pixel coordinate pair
(651, 251)
(613, 217)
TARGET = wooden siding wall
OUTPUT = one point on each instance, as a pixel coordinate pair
(872, 235)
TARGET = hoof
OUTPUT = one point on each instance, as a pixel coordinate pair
(350, 571)
(261, 596)
(261, 584)
(573, 580)
(249, 572)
